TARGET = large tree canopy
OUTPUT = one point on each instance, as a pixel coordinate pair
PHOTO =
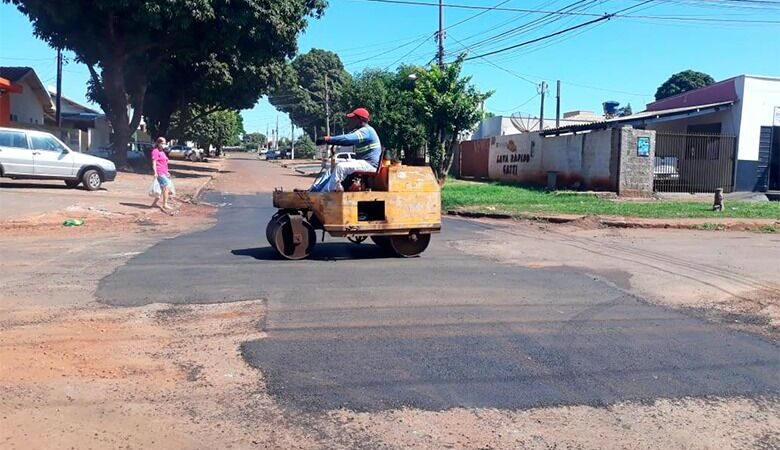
(127, 43)
(302, 95)
(218, 129)
(388, 97)
(448, 104)
(684, 81)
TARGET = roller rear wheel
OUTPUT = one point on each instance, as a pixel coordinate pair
(382, 242)
(410, 245)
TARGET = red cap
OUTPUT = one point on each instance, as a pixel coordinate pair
(359, 112)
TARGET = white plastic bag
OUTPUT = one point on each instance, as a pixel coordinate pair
(155, 190)
(171, 188)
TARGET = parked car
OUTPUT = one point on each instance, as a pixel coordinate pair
(272, 154)
(340, 157)
(345, 156)
(184, 152)
(134, 151)
(27, 154)
(665, 168)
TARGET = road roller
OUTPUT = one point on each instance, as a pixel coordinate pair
(398, 207)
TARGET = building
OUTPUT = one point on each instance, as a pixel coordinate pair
(26, 103)
(506, 125)
(726, 135)
(6, 89)
(30, 101)
(83, 128)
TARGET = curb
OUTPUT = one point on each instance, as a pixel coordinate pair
(199, 190)
(733, 224)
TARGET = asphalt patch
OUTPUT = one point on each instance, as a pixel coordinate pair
(353, 328)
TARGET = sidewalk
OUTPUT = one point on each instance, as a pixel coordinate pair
(596, 221)
(31, 203)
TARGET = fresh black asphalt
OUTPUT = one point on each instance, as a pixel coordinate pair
(353, 328)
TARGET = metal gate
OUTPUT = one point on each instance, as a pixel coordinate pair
(474, 157)
(687, 162)
(764, 156)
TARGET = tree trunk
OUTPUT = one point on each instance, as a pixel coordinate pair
(116, 101)
(448, 159)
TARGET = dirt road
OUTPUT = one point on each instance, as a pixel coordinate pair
(187, 334)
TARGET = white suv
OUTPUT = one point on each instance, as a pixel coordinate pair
(30, 154)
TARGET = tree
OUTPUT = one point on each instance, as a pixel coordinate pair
(304, 147)
(625, 111)
(254, 139)
(124, 43)
(684, 81)
(448, 104)
(218, 129)
(302, 95)
(388, 97)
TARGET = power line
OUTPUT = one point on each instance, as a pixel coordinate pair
(518, 106)
(493, 8)
(563, 13)
(559, 32)
(501, 68)
(527, 27)
(392, 50)
(404, 56)
(541, 38)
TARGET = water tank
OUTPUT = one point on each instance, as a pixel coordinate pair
(610, 108)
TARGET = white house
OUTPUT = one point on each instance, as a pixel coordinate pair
(723, 135)
(30, 106)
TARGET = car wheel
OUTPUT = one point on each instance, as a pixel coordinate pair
(72, 183)
(91, 179)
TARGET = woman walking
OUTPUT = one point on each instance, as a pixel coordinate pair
(161, 174)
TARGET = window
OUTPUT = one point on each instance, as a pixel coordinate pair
(13, 139)
(46, 143)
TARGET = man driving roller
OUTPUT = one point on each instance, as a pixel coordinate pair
(368, 149)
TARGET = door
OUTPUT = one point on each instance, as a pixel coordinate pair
(764, 151)
(51, 158)
(774, 161)
(16, 158)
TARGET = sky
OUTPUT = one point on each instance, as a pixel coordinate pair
(622, 59)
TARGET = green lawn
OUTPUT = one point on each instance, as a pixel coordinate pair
(497, 197)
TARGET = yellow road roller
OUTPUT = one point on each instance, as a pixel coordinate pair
(398, 207)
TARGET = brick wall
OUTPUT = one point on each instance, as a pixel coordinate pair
(635, 174)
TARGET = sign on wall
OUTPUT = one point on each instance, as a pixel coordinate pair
(512, 157)
(643, 146)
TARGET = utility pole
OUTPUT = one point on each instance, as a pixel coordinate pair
(558, 104)
(59, 88)
(267, 137)
(276, 135)
(327, 107)
(542, 91)
(292, 138)
(440, 34)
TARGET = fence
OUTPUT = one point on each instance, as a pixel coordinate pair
(474, 158)
(693, 162)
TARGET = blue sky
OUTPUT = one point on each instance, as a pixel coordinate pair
(623, 59)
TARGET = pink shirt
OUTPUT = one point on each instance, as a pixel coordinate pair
(160, 161)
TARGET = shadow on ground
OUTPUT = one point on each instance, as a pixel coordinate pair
(322, 252)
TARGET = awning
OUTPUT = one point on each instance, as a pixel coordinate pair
(642, 118)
